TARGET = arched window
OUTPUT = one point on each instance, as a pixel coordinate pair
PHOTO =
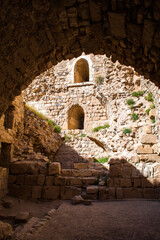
(76, 117)
(81, 71)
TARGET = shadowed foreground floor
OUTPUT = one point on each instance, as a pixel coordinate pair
(115, 220)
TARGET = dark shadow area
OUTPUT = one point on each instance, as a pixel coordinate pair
(9, 118)
(76, 117)
(81, 71)
(5, 154)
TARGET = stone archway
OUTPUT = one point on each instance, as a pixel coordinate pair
(81, 71)
(76, 117)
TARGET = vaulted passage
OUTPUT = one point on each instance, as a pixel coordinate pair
(81, 71)
(76, 117)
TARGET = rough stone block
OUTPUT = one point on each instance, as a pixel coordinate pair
(66, 172)
(50, 192)
(92, 189)
(30, 180)
(146, 183)
(144, 149)
(6, 230)
(148, 139)
(149, 193)
(157, 171)
(40, 180)
(20, 179)
(115, 170)
(116, 182)
(14, 190)
(110, 182)
(49, 180)
(36, 192)
(77, 199)
(152, 113)
(117, 25)
(80, 165)
(82, 173)
(54, 168)
(147, 129)
(119, 193)
(92, 196)
(111, 193)
(60, 181)
(103, 193)
(132, 193)
(25, 191)
(12, 179)
(76, 181)
(124, 182)
(19, 168)
(155, 148)
(89, 180)
(126, 172)
(137, 182)
(68, 192)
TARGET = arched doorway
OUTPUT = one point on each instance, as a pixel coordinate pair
(76, 117)
(81, 71)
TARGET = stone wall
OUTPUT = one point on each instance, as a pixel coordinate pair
(10, 123)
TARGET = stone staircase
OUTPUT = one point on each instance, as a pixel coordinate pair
(78, 150)
(33, 180)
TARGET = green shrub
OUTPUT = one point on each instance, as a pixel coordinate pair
(153, 120)
(100, 127)
(148, 110)
(153, 106)
(149, 98)
(99, 80)
(102, 160)
(57, 129)
(82, 135)
(127, 130)
(130, 102)
(67, 138)
(134, 116)
(132, 106)
(138, 94)
(50, 122)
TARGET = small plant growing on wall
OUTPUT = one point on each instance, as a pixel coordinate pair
(102, 160)
(57, 129)
(82, 135)
(130, 102)
(67, 138)
(100, 127)
(127, 130)
(147, 111)
(138, 94)
(134, 116)
(149, 98)
(153, 120)
(99, 80)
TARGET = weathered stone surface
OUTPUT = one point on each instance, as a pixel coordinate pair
(67, 193)
(77, 199)
(148, 138)
(30, 180)
(125, 182)
(132, 193)
(19, 168)
(54, 168)
(22, 217)
(157, 171)
(149, 193)
(119, 193)
(49, 180)
(89, 180)
(76, 181)
(103, 193)
(5, 230)
(117, 24)
(40, 180)
(36, 192)
(147, 129)
(92, 189)
(80, 165)
(51, 192)
(144, 149)
(152, 113)
(111, 193)
(82, 173)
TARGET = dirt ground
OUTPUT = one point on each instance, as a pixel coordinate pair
(114, 220)
(108, 220)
